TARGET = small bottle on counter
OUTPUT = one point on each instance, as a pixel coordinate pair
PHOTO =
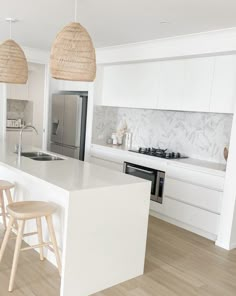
(114, 139)
(128, 140)
(119, 139)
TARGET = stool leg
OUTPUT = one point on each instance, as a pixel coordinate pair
(16, 254)
(10, 200)
(3, 210)
(54, 241)
(40, 237)
(9, 197)
(6, 237)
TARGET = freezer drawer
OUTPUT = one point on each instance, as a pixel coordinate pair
(56, 148)
(70, 152)
(66, 151)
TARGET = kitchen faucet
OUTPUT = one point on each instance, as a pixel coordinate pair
(20, 138)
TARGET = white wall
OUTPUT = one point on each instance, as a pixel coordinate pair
(212, 42)
(227, 229)
(3, 106)
(36, 95)
(233, 236)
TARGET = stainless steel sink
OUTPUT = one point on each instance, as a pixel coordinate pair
(40, 156)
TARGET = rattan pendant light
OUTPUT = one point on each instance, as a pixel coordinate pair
(73, 54)
(13, 63)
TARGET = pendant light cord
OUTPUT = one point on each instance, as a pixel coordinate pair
(76, 6)
(10, 24)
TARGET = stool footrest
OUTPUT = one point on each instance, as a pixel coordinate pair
(24, 235)
(35, 246)
(30, 233)
(50, 248)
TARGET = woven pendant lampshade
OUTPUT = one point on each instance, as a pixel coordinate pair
(13, 63)
(73, 54)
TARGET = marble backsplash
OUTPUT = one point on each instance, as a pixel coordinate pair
(20, 109)
(198, 135)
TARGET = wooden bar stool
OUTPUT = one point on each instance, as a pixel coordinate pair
(21, 212)
(5, 187)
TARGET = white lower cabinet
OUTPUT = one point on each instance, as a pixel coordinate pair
(195, 195)
(192, 197)
(107, 164)
(196, 177)
(190, 217)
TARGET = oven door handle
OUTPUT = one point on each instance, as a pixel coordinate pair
(141, 170)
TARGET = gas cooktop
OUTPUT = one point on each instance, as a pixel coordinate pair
(157, 152)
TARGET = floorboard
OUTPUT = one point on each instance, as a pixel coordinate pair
(178, 263)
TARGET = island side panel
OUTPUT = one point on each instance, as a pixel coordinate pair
(27, 188)
(106, 237)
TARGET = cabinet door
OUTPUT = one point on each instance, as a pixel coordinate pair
(131, 85)
(171, 85)
(17, 91)
(224, 85)
(198, 84)
(107, 164)
(13, 138)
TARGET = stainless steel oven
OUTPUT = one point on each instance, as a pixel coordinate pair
(156, 177)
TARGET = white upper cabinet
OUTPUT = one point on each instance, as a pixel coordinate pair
(198, 84)
(224, 85)
(202, 84)
(171, 85)
(186, 84)
(18, 91)
(131, 85)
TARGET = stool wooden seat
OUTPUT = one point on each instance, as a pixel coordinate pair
(25, 210)
(5, 187)
(21, 212)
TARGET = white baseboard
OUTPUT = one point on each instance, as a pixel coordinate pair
(180, 224)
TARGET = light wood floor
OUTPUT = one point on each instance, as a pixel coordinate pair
(178, 263)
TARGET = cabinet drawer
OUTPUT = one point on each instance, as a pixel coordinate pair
(107, 164)
(189, 215)
(195, 195)
(195, 177)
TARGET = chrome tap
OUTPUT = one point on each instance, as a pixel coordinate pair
(20, 138)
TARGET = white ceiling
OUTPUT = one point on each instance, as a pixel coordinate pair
(114, 22)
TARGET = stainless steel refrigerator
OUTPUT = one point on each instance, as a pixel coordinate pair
(68, 124)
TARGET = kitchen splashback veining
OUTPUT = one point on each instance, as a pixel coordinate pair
(198, 135)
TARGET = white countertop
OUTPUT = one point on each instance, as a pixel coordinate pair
(69, 174)
(196, 164)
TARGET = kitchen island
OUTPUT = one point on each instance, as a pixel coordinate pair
(101, 222)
